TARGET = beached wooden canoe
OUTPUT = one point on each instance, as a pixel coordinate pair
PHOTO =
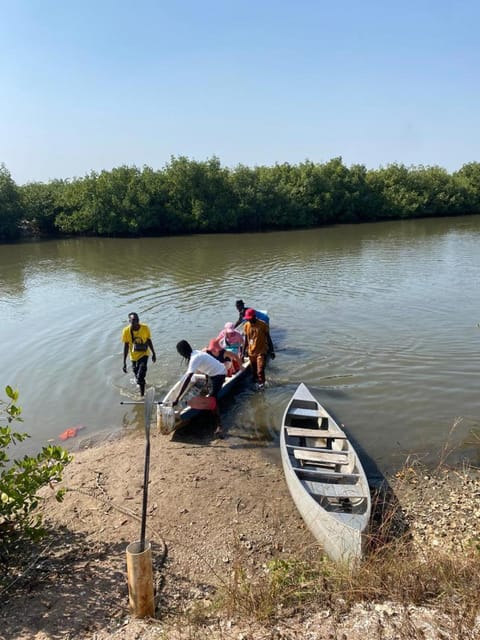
(325, 477)
(169, 419)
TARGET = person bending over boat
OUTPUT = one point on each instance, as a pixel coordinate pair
(137, 341)
(241, 308)
(230, 359)
(202, 362)
(231, 339)
(258, 344)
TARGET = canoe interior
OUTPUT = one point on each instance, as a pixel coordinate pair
(325, 462)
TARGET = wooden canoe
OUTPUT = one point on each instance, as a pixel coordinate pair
(325, 477)
(169, 419)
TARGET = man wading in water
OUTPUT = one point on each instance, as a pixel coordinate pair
(258, 344)
(137, 341)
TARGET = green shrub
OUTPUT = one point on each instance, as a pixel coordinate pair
(20, 480)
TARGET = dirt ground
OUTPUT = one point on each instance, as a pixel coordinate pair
(211, 503)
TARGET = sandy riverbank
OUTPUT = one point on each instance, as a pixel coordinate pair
(212, 504)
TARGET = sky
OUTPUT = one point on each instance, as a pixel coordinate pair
(92, 85)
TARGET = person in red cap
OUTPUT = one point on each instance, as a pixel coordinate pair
(258, 344)
(232, 361)
(242, 309)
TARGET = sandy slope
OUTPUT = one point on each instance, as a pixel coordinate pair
(211, 504)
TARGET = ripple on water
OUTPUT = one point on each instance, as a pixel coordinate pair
(376, 319)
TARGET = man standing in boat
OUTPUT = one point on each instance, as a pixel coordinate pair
(137, 341)
(258, 344)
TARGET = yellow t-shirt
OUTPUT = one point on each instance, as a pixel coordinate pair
(140, 336)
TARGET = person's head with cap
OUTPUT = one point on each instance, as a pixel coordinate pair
(240, 305)
(214, 346)
(229, 328)
(250, 315)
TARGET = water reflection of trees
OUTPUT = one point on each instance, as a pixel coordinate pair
(182, 266)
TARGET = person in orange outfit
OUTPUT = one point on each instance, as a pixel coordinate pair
(258, 344)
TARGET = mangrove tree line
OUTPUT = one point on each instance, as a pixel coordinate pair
(188, 196)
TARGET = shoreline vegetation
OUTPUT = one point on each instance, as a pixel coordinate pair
(190, 197)
(232, 558)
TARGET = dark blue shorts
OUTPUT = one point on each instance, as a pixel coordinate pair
(217, 383)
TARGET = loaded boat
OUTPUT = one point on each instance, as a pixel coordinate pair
(194, 400)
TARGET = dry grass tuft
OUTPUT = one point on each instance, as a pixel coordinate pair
(398, 568)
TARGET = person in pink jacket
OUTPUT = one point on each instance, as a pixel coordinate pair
(231, 339)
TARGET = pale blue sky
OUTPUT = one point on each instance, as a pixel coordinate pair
(90, 85)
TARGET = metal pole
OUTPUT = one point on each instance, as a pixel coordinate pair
(147, 415)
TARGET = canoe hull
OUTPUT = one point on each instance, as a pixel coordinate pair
(325, 478)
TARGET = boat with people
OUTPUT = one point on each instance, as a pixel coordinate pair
(196, 396)
(194, 400)
(325, 477)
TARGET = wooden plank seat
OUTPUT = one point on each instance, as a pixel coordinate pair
(329, 474)
(320, 449)
(334, 457)
(304, 413)
(330, 490)
(314, 433)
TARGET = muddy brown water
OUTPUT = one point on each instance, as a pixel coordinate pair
(379, 320)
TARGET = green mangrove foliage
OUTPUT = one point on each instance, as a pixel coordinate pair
(11, 211)
(20, 480)
(188, 196)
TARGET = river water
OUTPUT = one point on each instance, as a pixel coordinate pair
(379, 320)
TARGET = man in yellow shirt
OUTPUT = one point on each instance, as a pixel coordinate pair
(137, 341)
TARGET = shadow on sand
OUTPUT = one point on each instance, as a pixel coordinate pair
(68, 587)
